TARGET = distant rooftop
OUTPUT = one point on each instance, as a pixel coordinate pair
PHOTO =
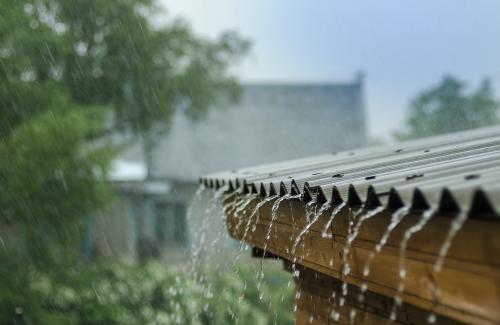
(272, 122)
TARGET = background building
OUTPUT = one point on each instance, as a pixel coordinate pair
(272, 122)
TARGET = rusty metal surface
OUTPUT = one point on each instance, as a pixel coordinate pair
(450, 173)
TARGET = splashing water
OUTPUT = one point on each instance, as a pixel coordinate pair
(347, 250)
(310, 210)
(232, 206)
(256, 212)
(310, 222)
(345, 260)
(201, 233)
(229, 208)
(426, 216)
(189, 217)
(240, 209)
(217, 198)
(455, 227)
(335, 315)
(306, 229)
(254, 227)
(274, 215)
(352, 235)
(362, 219)
(196, 198)
(335, 211)
(352, 316)
(396, 218)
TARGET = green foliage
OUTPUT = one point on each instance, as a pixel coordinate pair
(20, 303)
(73, 71)
(51, 147)
(50, 179)
(447, 108)
(147, 294)
(112, 53)
(241, 296)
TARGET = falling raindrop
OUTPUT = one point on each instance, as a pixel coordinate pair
(352, 316)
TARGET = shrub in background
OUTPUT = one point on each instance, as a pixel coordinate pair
(121, 293)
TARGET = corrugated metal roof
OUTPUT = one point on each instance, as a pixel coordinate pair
(449, 173)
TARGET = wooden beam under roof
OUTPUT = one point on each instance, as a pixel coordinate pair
(467, 289)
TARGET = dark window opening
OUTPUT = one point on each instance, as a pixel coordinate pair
(171, 223)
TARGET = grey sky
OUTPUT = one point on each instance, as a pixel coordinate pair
(403, 46)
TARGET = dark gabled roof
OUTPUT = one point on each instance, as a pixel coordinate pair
(450, 173)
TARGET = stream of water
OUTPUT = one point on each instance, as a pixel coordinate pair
(311, 222)
(335, 212)
(240, 210)
(334, 314)
(255, 212)
(274, 215)
(426, 216)
(455, 227)
(396, 218)
(199, 233)
(345, 270)
(238, 207)
(350, 239)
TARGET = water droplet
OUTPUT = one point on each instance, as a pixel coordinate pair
(335, 315)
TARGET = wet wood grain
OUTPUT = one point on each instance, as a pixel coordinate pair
(467, 289)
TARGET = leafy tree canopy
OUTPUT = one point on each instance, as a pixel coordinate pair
(74, 70)
(448, 108)
(114, 54)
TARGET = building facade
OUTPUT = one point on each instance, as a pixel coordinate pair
(272, 122)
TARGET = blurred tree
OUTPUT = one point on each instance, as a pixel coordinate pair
(74, 71)
(447, 108)
(124, 55)
(71, 73)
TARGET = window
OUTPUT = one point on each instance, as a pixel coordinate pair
(170, 223)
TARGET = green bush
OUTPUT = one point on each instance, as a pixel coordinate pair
(143, 294)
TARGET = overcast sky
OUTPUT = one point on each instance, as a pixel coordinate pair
(402, 46)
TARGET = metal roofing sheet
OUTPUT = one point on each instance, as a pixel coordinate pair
(449, 173)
